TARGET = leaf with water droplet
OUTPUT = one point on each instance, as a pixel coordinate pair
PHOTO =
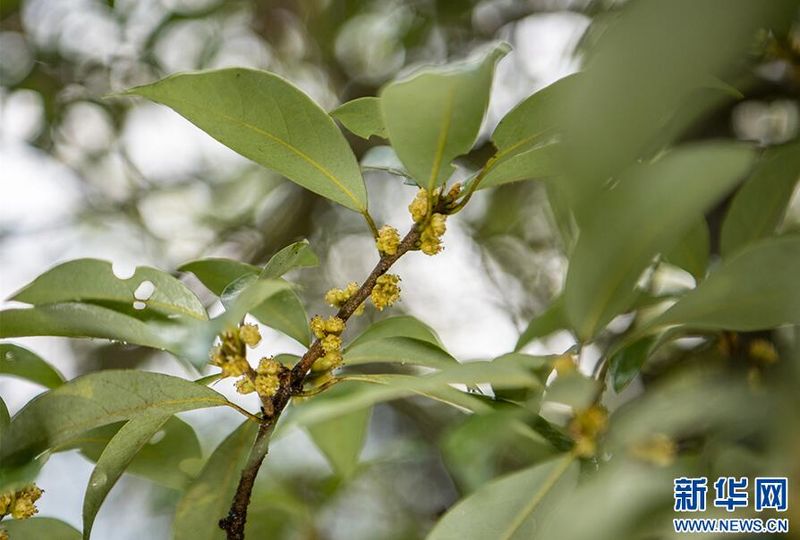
(20, 362)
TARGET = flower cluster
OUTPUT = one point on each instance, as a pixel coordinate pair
(231, 353)
(431, 238)
(329, 333)
(338, 297)
(388, 240)
(20, 503)
(386, 291)
(658, 449)
(266, 381)
(586, 427)
(419, 206)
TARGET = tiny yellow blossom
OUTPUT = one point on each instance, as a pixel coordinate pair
(234, 366)
(564, 365)
(23, 506)
(318, 326)
(269, 366)
(388, 240)
(334, 325)
(338, 297)
(249, 334)
(331, 343)
(386, 291)
(267, 385)
(245, 386)
(430, 244)
(360, 309)
(763, 352)
(5, 501)
(658, 449)
(455, 190)
(328, 362)
(419, 206)
(438, 225)
(586, 427)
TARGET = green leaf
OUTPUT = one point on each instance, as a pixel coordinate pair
(510, 508)
(20, 362)
(59, 416)
(216, 274)
(538, 366)
(533, 120)
(280, 127)
(285, 312)
(398, 350)
(40, 528)
(539, 162)
(435, 115)
(691, 252)
(208, 498)
(574, 390)
(756, 289)
(399, 326)
(628, 362)
(645, 213)
(5, 418)
(760, 204)
(93, 281)
(362, 116)
(296, 255)
(384, 158)
(114, 460)
(551, 320)
(80, 320)
(13, 477)
(168, 460)
(341, 440)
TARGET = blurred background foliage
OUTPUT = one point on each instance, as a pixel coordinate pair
(132, 182)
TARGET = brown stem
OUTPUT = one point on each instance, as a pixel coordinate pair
(292, 385)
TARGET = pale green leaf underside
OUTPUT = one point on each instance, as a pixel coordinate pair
(341, 439)
(399, 326)
(435, 115)
(92, 280)
(59, 416)
(535, 163)
(362, 116)
(20, 362)
(119, 453)
(652, 206)
(510, 508)
(740, 295)
(208, 498)
(398, 350)
(40, 528)
(267, 119)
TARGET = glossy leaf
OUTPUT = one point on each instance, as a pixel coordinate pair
(169, 459)
(285, 312)
(40, 528)
(5, 418)
(538, 366)
(216, 274)
(116, 457)
(759, 205)
(341, 439)
(59, 416)
(280, 127)
(384, 159)
(20, 362)
(82, 321)
(398, 350)
(536, 163)
(15, 476)
(646, 213)
(550, 320)
(627, 363)
(756, 289)
(512, 507)
(93, 281)
(208, 498)
(362, 116)
(692, 251)
(434, 115)
(296, 255)
(398, 326)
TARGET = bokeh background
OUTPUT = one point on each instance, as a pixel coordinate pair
(132, 182)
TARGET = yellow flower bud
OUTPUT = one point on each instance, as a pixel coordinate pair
(586, 427)
(388, 240)
(437, 225)
(386, 291)
(217, 358)
(328, 362)
(763, 352)
(269, 366)
(564, 365)
(454, 191)
(245, 386)
(23, 505)
(331, 343)
(430, 244)
(249, 334)
(318, 326)
(267, 385)
(334, 325)
(658, 449)
(360, 309)
(5, 502)
(419, 206)
(234, 366)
